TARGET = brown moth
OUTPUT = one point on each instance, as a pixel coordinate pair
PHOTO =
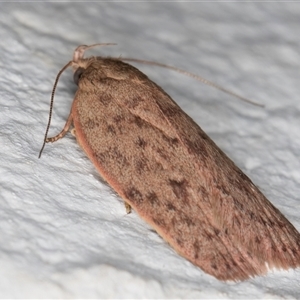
(173, 175)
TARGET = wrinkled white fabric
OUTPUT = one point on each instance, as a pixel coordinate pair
(64, 232)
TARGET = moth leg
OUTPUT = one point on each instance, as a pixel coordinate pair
(73, 132)
(63, 132)
(127, 207)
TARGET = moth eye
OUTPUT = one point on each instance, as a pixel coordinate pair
(78, 74)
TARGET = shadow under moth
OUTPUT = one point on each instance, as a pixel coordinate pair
(172, 174)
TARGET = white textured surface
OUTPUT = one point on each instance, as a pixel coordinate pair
(64, 233)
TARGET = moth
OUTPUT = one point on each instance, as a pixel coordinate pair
(165, 167)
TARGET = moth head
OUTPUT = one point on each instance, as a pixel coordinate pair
(77, 74)
(79, 51)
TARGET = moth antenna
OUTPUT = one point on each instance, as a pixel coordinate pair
(199, 78)
(51, 104)
(79, 51)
